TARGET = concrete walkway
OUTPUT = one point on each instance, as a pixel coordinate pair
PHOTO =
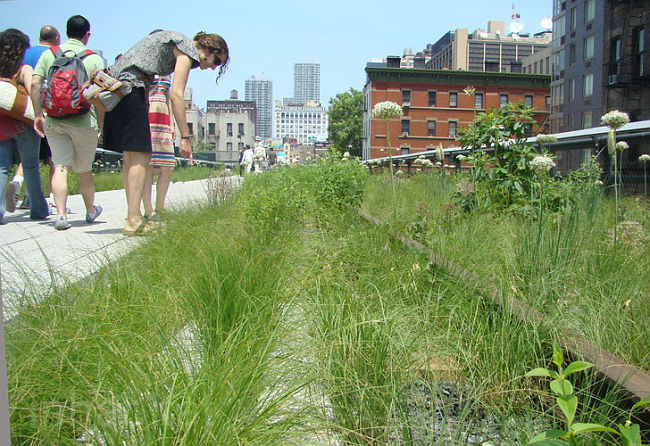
(34, 256)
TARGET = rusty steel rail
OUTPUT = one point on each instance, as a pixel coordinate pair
(634, 382)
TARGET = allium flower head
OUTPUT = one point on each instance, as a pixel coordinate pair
(598, 183)
(386, 110)
(427, 163)
(615, 119)
(644, 158)
(461, 157)
(546, 139)
(622, 145)
(542, 163)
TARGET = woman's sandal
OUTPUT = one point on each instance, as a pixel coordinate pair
(143, 229)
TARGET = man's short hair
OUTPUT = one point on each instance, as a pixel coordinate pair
(49, 34)
(77, 27)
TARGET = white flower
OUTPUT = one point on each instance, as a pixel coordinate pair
(542, 163)
(546, 139)
(346, 155)
(386, 110)
(615, 119)
(461, 157)
(438, 163)
(427, 163)
(418, 161)
(644, 158)
(507, 142)
(598, 183)
(622, 145)
(399, 173)
(469, 91)
(447, 166)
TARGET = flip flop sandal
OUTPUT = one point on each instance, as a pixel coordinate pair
(143, 229)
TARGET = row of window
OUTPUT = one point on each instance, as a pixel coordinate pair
(431, 128)
(212, 130)
(587, 86)
(453, 99)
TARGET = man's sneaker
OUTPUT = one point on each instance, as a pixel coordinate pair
(53, 211)
(61, 223)
(92, 217)
(25, 204)
(13, 188)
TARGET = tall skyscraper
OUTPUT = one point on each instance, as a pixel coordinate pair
(306, 81)
(260, 90)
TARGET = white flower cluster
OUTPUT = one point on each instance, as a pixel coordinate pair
(542, 163)
(615, 119)
(546, 139)
(644, 158)
(622, 145)
(461, 157)
(386, 110)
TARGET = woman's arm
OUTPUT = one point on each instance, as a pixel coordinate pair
(179, 82)
(26, 72)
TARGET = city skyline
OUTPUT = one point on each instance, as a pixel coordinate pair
(271, 37)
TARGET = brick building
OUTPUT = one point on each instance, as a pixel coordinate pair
(435, 106)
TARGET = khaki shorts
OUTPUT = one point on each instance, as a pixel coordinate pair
(72, 145)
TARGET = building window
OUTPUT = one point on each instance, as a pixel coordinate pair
(229, 128)
(639, 47)
(229, 146)
(240, 146)
(478, 101)
(572, 89)
(589, 47)
(503, 99)
(586, 119)
(431, 128)
(528, 99)
(211, 129)
(406, 126)
(404, 151)
(406, 98)
(452, 129)
(574, 19)
(570, 122)
(572, 54)
(453, 99)
(548, 103)
(588, 86)
(590, 10)
(190, 127)
(240, 129)
(432, 99)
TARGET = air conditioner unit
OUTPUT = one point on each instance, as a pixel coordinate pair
(613, 79)
(406, 104)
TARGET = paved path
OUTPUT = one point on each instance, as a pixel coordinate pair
(34, 256)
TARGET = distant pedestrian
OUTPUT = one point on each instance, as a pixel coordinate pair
(14, 134)
(247, 159)
(273, 157)
(163, 160)
(260, 156)
(126, 128)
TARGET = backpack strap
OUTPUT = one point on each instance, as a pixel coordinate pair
(81, 55)
(56, 50)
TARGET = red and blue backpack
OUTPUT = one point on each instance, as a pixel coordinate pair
(62, 95)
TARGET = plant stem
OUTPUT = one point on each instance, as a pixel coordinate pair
(392, 186)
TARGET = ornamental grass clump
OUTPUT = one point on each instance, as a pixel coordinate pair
(387, 110)
(614, 120)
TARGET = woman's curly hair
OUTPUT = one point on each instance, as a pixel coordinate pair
(13, 44)
(215, 44)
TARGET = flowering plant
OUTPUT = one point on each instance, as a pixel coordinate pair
(386, 110)
(546, 139)
(542, 163)
(615, 119)
(644, 158)
(622, 145)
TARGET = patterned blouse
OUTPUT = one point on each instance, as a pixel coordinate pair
(153, 55)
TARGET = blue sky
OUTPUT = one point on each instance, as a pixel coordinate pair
(270, 36)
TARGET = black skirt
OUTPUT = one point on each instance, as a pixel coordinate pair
(126, 127)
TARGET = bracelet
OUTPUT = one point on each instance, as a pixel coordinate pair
(186, 137)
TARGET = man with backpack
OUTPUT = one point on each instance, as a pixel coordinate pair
(71, 124)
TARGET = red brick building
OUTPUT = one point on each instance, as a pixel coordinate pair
(435, 106)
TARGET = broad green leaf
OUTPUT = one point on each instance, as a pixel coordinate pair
(580, 428)
(568, 406)
(548, 443)
(549, 435)
(538, 372)
(631, 435)
(577, 366)
(645, 401)
(563, 388)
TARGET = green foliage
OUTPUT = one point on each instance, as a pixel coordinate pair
(504, 178)
(577, 434)
(346, 122)
(339, 183)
